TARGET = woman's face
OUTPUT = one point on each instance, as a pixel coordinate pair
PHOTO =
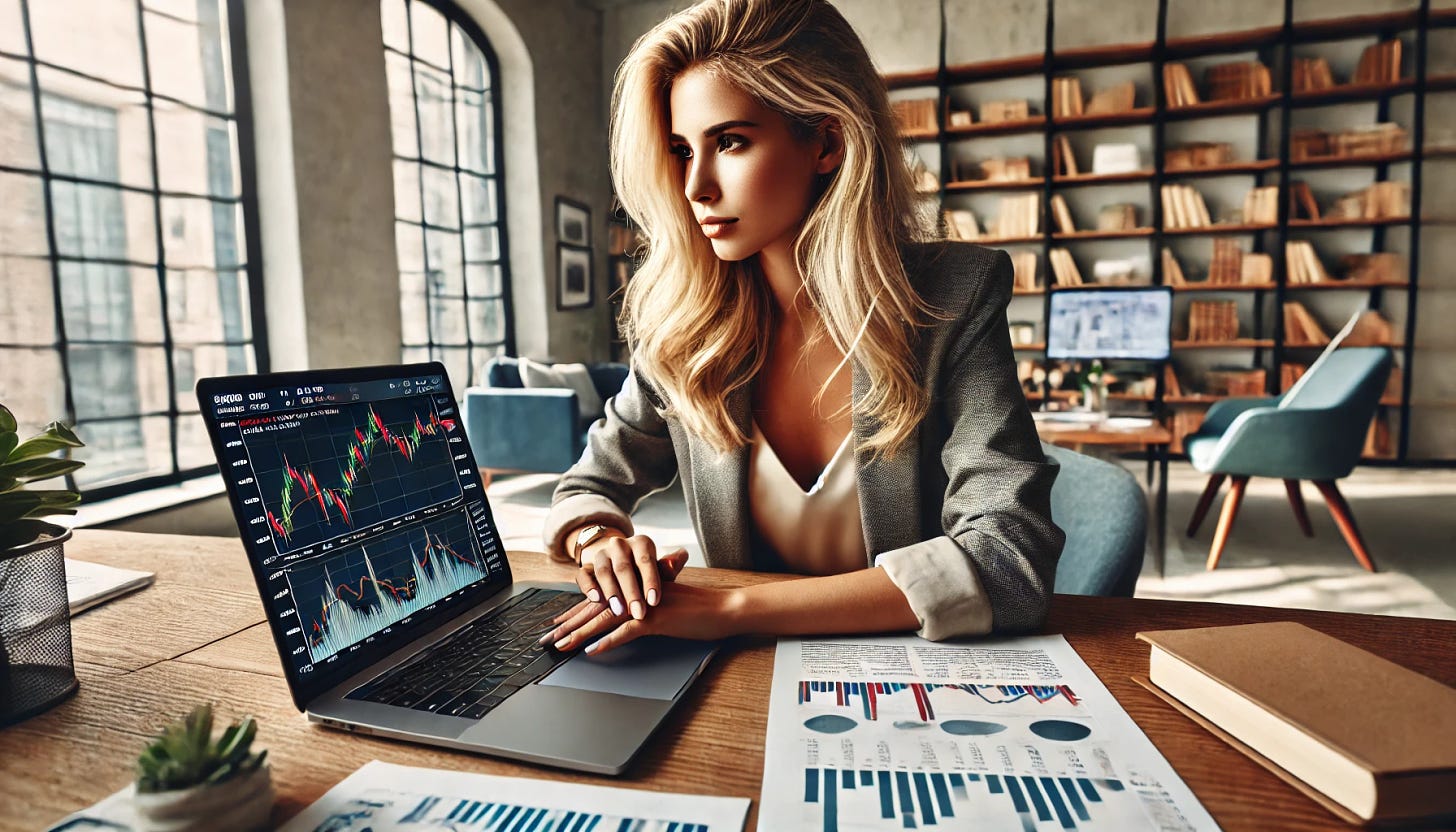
(749, 178)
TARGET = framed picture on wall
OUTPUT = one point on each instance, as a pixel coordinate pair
(573, 223)
(573, 277)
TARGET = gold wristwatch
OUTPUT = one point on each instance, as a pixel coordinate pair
(587, 535)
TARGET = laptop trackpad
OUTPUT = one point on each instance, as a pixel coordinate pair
(652, 667)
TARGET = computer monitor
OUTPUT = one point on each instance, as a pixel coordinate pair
(1129, 323)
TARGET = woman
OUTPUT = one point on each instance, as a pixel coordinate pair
(839, 398)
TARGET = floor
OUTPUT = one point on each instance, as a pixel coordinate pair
(1408, 518)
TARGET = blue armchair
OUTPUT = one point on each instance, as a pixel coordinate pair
(514, 428)
(1314, 432)
(1104, 512)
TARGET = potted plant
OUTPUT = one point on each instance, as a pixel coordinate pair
(186, 780)
(36, 670)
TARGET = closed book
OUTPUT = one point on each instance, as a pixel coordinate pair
(1361, 733)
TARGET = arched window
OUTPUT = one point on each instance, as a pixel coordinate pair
(123, 267)
(449, 216)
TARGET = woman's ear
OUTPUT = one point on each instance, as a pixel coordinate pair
(831, 153)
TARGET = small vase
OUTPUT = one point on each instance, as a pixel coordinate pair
(36, 667)
(240, 804)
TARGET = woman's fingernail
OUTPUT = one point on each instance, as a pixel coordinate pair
(592, 648)
(616, 604)
(562, 644)
(638, 610)
(651, 597)
(594, 597)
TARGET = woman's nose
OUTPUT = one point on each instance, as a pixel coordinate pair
(700, 184)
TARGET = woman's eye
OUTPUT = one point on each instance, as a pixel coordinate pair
(728, 141)
(681, 151)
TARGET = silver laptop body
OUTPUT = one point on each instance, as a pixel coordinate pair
(334, 476)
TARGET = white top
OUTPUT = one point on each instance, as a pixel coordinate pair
(817, 532)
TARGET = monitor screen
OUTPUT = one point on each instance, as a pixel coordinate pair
(1134, 322)
(361, 508)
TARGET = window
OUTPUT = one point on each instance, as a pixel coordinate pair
(123, 274)
(449, 219)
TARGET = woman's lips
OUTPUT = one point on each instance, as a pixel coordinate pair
(717, 228)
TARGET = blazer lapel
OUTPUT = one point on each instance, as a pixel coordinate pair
(722, 492)
(889, 488)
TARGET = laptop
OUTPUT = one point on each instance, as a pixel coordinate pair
(388, 590)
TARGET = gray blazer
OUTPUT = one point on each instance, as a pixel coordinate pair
(960, 518)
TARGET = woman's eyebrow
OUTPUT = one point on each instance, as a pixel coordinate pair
(716, 129)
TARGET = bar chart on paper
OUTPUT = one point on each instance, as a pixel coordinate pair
(381, 797)
(870, 801)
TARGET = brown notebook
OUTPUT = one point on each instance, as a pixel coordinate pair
(1373, 737)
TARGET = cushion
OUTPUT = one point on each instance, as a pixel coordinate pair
(573, 376)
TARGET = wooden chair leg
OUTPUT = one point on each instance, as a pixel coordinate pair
(1215, 481)
(1226, 519)
(1345, 519)
(1296, 501)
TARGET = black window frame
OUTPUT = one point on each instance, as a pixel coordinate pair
(250, 270)
(455, 16)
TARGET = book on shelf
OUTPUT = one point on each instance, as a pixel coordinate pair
(961, 224)
(1115, 158)
(960, 118)
(1178, 85)
(1172, 270)
(1171, 387)
(1062, 215)
(1301, 264)
(1371, 329)
(1064, 268)
(916, 115)
(1256, 269)
(1308, 143)
(1239, 383)
(1360, 735)
(1379, 63)
(1066, 96)
(1213, 320)
(1379, 200)
(1183, 207)
(1226, 267)
(1312, 75)
(1023, 270)
(1119, 216)
(1120, 270)
(1120, 98)
(1195, 155)
(998, 111)
(1377, 267)
(1006, 170)
(1017, 217)
(1300, 327)
(1302, 204)
(1261, 205)
(89, 584)
(1237, 80)
(1066, 160)
(1377, 439)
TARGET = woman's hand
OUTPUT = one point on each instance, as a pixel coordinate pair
(688, 611)
(624, 574)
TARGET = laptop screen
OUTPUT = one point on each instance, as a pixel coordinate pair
(360, 505)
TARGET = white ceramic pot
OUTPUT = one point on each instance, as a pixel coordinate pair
(241, 804)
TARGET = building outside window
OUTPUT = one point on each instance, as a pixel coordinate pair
(123, 274)
(449, 217)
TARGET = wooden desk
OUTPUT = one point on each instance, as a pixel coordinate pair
(1155, 440)
(149, 657)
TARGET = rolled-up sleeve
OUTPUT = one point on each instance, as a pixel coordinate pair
(993, 569)
(628, 456)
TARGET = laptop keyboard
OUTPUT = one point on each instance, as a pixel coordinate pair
(479, 665)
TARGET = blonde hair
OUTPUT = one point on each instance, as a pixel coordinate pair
(697, 326)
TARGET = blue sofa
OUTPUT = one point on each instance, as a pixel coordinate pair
(513, 428)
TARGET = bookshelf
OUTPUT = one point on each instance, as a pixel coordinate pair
(622, 241)
(1272, 141)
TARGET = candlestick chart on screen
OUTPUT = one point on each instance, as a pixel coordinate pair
(346, 596)
(322, 475)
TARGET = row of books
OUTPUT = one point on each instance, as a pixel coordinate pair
(991, 170)
(1198, 155)
(1183, 207)
(1379, 63)
(1261, 205)
(1312, 75)
(1301, 328)
(1385, 137)
(1232, 81)
(1213, 320)
(1017, 216)
(1380, 200)
(915, 115)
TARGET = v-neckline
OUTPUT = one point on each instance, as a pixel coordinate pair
(823, 474)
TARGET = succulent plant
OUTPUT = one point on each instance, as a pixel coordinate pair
(185, 755)
(28, 461)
